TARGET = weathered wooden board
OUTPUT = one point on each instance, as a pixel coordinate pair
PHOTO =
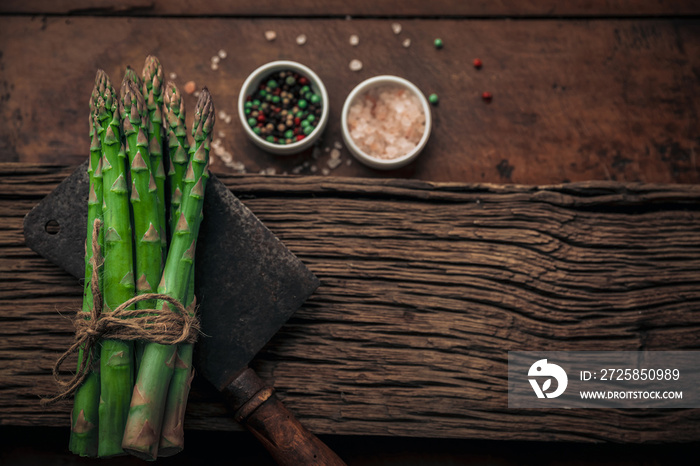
(354, 8)
(425, 287)
(573, 100)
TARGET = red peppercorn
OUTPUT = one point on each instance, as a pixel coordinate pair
(477, 63)
(303, 81)
(487, 96)
(300, 137)
(261, 118)
(297, 121)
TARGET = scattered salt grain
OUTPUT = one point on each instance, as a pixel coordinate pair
(196, 93)
(396, 27)
(173, 76)
(301, 39)
(335, 154)
(221, 134)
(348, 162)
(406, 42)
(337, 145)
(355, 65)
(354, 40)
(222, 114)
(215, 59)
(214, 66)
(270, 35)
(386, 122)
(222, 54)
(325, 171)
(227, 119)
(314, 168)
(334, 163)
(190, 87)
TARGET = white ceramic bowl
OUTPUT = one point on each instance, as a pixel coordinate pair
(367, 159)
(252, 83)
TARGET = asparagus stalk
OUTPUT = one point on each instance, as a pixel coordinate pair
(172, 437)
(153, 94)
(116, 372)
(178, 149)
(129, 75)
(84, 416)
(144, 201)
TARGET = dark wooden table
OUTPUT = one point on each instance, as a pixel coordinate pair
(590, 99)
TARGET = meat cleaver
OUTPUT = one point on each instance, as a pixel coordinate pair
(248, 284)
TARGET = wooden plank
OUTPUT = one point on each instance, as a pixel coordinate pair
(425, 287)
(357, 8)
(573, 100)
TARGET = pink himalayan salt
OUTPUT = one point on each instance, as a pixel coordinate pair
(386, 122)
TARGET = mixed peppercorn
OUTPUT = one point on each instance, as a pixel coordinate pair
(284, 109)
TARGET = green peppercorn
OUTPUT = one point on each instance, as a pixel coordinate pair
(257, 130)
(256, 103)
(299, 114)
(290, 80)
(307, 130)
(310, 118)
(305, 123)
(433, 99)
(315, 98)
(252, 121)
(275, 99)
(302, 103)
(270, 138)
(248, 104)
(438, 43)
(304, 90)
(247, 111)
(272, 84)
(262, 93)
(289, 134)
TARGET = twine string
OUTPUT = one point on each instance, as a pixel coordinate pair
(171, 325)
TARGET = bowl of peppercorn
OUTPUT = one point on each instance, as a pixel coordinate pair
(283, 107)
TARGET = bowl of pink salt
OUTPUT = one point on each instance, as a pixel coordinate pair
(386, 122)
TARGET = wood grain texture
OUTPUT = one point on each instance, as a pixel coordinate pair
(573, 100)
(312, 8)
(425, 287)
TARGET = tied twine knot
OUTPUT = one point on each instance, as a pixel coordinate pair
(171, 325)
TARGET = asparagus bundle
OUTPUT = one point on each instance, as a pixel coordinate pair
(84, 417)
(143, 429)
(111, 413)
(116, 365)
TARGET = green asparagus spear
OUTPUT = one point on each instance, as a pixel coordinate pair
(172, 437)
(144, 201)
(84, 417)
(159, 360)
(129, 75)
(177, 148)
(153, 94)
(116, 369)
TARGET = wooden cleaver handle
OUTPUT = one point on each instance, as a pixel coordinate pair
(261, 412)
